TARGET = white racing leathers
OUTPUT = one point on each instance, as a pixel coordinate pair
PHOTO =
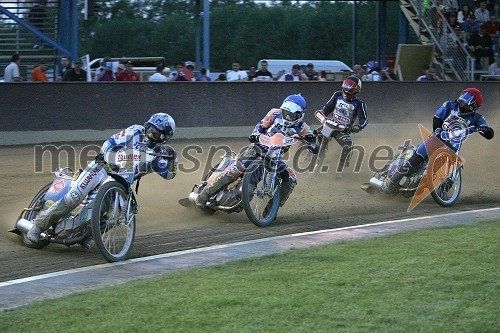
(125, 148)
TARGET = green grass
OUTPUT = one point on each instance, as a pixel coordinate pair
(436, 280)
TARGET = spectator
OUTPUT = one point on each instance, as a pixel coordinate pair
(481, 45)
(311, 73)
(129, 74)
(38, 74)
(203, 76)
(185, 73)
(464, 14)
(482, 14)
(252, 73)
(388, 74)
(37, 18)
(492, 27)
(119, 70)
(494, 69)
(158, 76)
(105, 71)
(373, 71)
(236, 74)
(263, 74)
(470, 25)
(221, 77)
(295, 75)
(65, 66)
(429, 75)
(453, 22)
(76, 73)
(11, 73)
(496, 10)
(322, 76)
(359, 71)
(178, 68)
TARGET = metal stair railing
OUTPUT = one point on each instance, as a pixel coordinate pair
(17, 39)
(456, 60)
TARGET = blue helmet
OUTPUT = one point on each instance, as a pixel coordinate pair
(160, 127)
(293, 109)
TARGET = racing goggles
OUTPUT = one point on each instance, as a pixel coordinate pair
(291, 116)
(464, 106)
(350, 92)
(156, 135)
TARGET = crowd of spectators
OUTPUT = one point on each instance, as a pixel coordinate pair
(475, 24)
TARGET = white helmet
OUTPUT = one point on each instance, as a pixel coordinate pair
(293, 110)
(160, 127)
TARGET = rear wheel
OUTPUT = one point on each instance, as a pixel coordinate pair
(323, 148)
(113, 221)
(261, 204)
(36, 206)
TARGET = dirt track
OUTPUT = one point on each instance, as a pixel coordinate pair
(318, 202)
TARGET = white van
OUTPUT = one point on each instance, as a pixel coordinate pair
(280, 66)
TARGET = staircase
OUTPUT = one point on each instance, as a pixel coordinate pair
(14, 38)
(451, 56)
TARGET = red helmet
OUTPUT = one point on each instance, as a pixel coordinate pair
(469, 100)
(351, 87)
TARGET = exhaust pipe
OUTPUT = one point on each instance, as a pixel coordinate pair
(24, 225)
(376, 182)
(192, 197)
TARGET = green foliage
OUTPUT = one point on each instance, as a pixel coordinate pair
(240, 30)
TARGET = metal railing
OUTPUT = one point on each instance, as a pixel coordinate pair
(456, 61)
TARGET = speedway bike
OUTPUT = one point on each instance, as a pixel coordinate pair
(256, 191)
(106, 215)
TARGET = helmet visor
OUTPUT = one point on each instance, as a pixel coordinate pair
(464, 106)
(291, 116)
(351, 92)
(156, 135)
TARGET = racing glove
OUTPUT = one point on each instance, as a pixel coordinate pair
(355, 129)
(253, 138)
(483, 128)
(310, 138)
(100, 158)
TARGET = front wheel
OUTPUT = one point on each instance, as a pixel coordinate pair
(34, 208)
(113, 221)
(444, 176)
(261, 204)
(446, 194)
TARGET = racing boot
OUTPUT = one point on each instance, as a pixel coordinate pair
(390, 184)
(211, 190)
(48, 217)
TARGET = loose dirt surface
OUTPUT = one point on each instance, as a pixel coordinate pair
(318, 202)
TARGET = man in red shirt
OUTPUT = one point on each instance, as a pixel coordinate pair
(128, 74)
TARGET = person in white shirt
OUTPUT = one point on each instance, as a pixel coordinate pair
(236, 74)
(11, 73)
(295, 75)
(158, 76)
(494, 69)
(482, 14)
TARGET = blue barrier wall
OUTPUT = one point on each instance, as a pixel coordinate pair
(72, 106)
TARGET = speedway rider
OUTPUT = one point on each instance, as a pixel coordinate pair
(458, 116)
(287, 120)
(346, 107)
(156, 131)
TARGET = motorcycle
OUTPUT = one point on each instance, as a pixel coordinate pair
(329, 127)
(106, 215)
(441, 174)
(256, 191)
